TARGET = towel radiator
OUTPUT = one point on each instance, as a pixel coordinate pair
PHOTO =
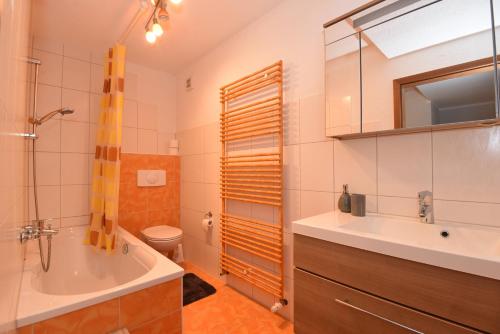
(251, 112)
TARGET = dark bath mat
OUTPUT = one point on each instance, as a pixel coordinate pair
(195, 289)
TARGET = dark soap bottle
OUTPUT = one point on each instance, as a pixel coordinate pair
(345, 200)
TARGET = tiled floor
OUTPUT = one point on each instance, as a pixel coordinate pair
(229, 312)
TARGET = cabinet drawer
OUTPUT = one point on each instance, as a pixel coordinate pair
(323, 306)
(473, 301)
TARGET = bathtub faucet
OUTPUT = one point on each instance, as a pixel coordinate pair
(36, 230)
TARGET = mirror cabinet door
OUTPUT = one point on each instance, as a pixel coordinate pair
(342, 82)
(423, 63)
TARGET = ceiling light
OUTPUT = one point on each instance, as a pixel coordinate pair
(156, 28)
(176, 2)
(150, 37)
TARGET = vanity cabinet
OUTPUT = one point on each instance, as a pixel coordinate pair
(341, 289)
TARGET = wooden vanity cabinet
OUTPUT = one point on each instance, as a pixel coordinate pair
(340, 289)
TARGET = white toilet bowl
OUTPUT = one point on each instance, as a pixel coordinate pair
(163, 238)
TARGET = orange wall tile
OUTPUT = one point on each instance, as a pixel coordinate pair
(141, 207)
(156, 309)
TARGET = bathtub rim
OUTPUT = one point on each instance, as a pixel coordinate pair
(35, 306)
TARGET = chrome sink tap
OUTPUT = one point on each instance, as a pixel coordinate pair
(425, 209)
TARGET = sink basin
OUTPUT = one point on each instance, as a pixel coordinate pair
(472, 249)
(460, 240)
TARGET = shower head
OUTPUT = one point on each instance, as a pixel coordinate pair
(45, 118)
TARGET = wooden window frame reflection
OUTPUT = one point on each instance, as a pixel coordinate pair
(455, 71)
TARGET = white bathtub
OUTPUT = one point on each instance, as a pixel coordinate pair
(80, 276)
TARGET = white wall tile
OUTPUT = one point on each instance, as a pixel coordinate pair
(49, 202)
(147, 141)
(355, 164)
(211, 138)
(76, 74)
(147, 116)
(465, 165)
(48, 99)
(291, 166)
(191, 224)
(48, 45)
(398, 206)
(212, 198)
(291, 199)
(96, 78)
(95, 108)
(316, 166)
(75, 221)
(404, 164)
(50, 72)
(129, 140)
(210, 168)
(467, 212)
(49, 136)
(74, 137)
(74, 200)
(48, 170)
(312, 119)
(131, 85)
(92, 137)
(164, 142)
(192, 196)
(78, 101)
(130, 113)
(192, 168)
(191, 141)
(291, 122)
(314, 203)
(74, 168)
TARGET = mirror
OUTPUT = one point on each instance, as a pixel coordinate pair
(410, 63)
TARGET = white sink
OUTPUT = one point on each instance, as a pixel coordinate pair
(471, 250)
(446, 238)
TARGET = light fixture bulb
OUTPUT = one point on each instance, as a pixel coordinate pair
(157, 28)
(176, 2)
(150, 37)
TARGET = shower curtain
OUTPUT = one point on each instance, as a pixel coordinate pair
(106, 167)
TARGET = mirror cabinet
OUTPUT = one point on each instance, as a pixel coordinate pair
(411, 65)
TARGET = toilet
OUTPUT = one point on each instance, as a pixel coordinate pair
(165, 239)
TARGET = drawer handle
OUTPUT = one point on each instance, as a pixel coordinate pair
(346, 303)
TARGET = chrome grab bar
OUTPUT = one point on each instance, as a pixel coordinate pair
(346, 303)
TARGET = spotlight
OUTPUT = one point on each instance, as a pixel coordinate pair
(156, 28)
(150, 37)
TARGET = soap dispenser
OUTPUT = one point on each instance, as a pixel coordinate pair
(345, 200)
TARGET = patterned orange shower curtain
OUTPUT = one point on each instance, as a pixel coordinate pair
(106, 168)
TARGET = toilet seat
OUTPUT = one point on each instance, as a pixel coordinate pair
(162, 233)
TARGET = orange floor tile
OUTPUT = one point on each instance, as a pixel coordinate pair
(228, 312)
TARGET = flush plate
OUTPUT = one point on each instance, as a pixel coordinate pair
(151, 178)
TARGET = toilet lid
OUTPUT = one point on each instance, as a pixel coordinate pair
(162, 232)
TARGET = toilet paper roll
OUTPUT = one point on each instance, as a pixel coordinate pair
(206, 224)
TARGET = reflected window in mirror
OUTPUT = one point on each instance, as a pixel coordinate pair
(462, 93)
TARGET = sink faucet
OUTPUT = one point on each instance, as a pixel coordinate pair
(425, 211)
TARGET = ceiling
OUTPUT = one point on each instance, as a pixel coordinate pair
(464, 90)
(195, 27)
